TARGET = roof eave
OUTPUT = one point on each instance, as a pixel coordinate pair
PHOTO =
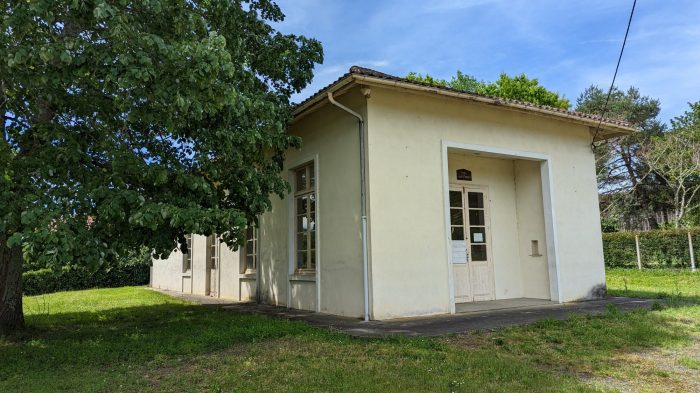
(606, 131)
(321, 98)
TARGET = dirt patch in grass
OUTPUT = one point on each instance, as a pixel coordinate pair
(658, 370)
(635, 352)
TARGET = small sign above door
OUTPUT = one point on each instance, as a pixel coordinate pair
(464, 174)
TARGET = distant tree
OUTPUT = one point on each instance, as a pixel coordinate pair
(518, 87)
(630, 192)
(675, 157)
(136, 122)
(413, 76)
(525, 89)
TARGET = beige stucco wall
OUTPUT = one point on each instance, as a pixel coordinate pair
(531, 226)
(330, 137)
(407, 223)
(167, 273)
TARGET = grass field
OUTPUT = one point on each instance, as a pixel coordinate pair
(133, 339)
(660, 283)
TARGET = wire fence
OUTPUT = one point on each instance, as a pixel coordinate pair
(676, 249)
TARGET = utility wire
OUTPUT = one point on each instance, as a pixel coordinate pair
(612, 84)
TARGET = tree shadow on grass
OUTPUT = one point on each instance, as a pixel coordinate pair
(94, 341)
(190, 347)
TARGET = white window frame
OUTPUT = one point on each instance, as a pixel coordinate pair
(310, 265)
(213, 252)
(256, 250)
(187, 257)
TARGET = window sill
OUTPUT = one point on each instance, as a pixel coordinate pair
(248, 275)
(187, 274)
(303, 276)
(535, 255)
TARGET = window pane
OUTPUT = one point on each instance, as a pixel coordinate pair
(476, 200)
(455, 198)
(301, 204)
(476, 217)
(301, 179)
(312, 176)
(456, 217)
(301, 241)
(249, 264)
(301, 259)
(312, 260)
(250, 247)
(478, 234)
(457, 233)
(312, 239)
(312, 224)
(478, 252)
(249, 233)
(312, 202)
(301, 223)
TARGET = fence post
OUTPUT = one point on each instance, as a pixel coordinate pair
(692, 253)
(639, 255)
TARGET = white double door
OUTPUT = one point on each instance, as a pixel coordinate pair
(470, 237)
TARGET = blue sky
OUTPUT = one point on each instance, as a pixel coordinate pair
(567, 45)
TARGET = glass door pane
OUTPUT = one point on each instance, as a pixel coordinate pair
(477, 226)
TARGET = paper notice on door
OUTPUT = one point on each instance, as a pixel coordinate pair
(459, 251)
(478, 237)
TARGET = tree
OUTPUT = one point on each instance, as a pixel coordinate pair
(518, 87)
(522, 88)
(137, 122)
(675, 157)
(630, 193)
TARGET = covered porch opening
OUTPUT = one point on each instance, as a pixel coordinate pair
(499, 219)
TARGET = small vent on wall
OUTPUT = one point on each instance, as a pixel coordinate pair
(464, 174)
(535, 248)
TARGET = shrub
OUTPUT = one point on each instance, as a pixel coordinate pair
(658, 249)
(133, 269)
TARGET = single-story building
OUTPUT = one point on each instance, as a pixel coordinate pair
(410, 199)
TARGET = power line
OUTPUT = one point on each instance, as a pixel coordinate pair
(612, 84)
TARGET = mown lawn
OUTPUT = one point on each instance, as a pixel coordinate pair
(654, 283)
(134, 339)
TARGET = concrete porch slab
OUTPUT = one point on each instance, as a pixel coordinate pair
(501, 304)
(431, 325)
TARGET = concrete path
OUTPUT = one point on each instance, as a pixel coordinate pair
(428, 326)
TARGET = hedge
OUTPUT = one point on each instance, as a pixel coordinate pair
(132, 270)
(658, 249)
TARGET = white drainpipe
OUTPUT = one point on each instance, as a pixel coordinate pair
(363, 208)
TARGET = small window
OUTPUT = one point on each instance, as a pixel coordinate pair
(213, 249)
(187, 257)
(305, 218)
(251, 249)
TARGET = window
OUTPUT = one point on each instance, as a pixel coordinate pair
(213, 251)
(305, 218)
(251, 248)
(187, 257)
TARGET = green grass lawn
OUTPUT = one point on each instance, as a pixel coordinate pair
(660, 283)
(134, 339)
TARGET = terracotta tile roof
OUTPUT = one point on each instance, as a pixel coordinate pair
(361, 71)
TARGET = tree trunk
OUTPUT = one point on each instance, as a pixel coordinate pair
(11, 314)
